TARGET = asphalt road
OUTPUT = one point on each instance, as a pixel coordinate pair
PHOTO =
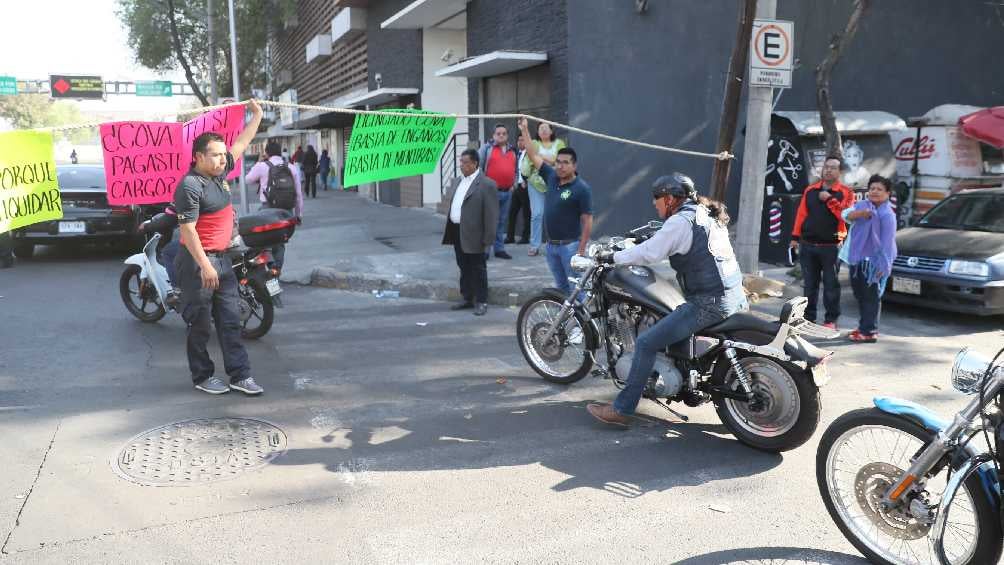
(407, 443)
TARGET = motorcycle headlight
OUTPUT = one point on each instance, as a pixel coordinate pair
(969, 268)
(582, 264)
(968, 371)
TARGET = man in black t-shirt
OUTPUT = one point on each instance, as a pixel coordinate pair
(205, 274)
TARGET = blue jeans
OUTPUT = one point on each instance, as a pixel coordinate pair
(692, 316)
(167, 256)
(505, 198)
(559, 260)
(537, 200)
(869, 300)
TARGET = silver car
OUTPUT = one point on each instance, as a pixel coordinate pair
(953, 258)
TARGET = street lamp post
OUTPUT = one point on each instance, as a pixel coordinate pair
(245, 205)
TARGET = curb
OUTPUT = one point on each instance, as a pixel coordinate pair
(498, 294)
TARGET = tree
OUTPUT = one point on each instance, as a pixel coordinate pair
(167, 34)
(824, 101)
(29, 111)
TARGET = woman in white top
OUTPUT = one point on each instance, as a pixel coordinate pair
(547, 147)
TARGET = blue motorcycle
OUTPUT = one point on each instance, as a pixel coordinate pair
(906, 486)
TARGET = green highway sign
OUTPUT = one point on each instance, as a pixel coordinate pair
(153, 88)
(8, 86)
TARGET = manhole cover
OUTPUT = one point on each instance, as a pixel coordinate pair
(200, 451)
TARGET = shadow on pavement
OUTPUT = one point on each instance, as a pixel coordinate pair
(773, 556)
(559, 435)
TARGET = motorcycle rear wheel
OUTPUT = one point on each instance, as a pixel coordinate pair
(138, 295)
(256, 309)
(789, 408)
(568, 355)
(860, 456)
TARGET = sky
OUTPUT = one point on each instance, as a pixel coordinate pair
(80, 37)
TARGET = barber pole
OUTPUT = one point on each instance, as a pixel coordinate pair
(774, 222)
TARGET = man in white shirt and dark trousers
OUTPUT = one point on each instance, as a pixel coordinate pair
(471, 225)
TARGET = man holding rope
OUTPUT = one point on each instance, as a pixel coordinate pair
(568, 213)
(205, 275)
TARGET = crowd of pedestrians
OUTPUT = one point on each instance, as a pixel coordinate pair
(536, 182)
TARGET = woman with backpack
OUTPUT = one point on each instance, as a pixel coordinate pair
(278, 187)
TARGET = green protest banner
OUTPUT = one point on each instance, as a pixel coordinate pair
(391, 147)
(28, 190)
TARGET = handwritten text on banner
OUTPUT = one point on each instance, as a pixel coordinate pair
(29, 192)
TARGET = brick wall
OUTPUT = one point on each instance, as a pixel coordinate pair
(319, 80)
(394, 53)
(521, 25)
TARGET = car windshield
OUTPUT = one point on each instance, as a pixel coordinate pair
(967, 212)
(81, 177)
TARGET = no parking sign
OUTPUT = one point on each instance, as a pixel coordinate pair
(772, 52)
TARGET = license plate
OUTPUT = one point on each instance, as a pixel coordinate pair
(906, 286)
(72, 227)
(273, 286)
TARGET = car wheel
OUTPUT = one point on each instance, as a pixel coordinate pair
(24, 250)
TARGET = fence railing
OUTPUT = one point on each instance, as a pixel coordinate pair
(449, 161)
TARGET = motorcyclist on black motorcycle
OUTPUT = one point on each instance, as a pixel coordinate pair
(695, 239)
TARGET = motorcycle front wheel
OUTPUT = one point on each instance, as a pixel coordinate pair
(567, 356)
(256, 310)
(861, 455)
(786, 407)
(139, 295)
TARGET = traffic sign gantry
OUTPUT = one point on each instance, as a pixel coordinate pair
(772, 47)
(153, 88)
(77, 86)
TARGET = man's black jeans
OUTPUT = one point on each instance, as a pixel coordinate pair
(199, 304)
(820, 263)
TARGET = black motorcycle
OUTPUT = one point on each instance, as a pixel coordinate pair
(762, 376)
(148, 293)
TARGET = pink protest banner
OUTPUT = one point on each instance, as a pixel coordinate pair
(228, 122)
(143, 161)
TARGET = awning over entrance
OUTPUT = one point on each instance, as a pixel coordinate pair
(861, 123)
(327, 120)
(379, 96)
(424, 14)
(987, 126)
(493, 64)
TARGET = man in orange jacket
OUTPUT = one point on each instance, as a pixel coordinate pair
(817, 235)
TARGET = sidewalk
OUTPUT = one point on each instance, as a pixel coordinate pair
(351, 243)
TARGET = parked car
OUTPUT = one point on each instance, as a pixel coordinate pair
(953, 257)
(87, 216)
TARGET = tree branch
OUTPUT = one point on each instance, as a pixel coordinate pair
(176, 38)
(834, 145)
